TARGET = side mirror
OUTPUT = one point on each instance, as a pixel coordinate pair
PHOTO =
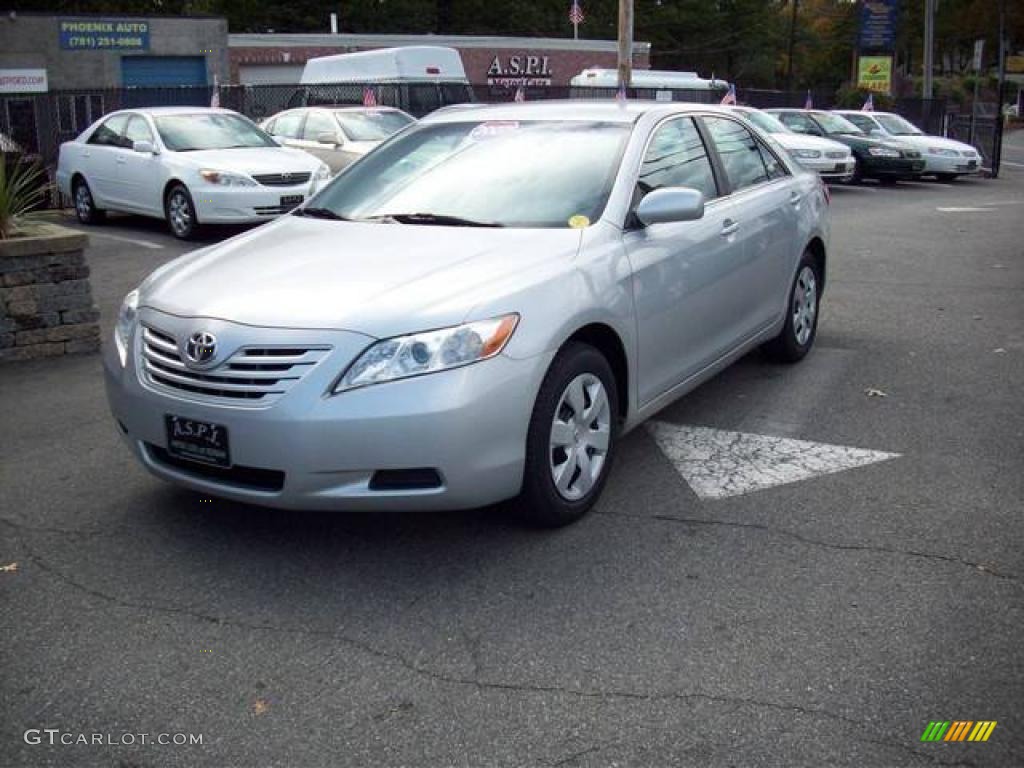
(670, 204)
(329, 138)
(144, 147)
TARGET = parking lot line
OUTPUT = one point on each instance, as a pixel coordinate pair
(129, 240)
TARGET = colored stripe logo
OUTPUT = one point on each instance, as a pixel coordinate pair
(958, 730)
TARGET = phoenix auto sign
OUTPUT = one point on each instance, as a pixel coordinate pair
(525, 69)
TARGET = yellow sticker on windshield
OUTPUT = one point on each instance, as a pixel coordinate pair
(579, 221)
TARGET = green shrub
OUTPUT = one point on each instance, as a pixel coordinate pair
(22, 188)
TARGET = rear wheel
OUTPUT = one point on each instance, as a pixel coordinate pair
(181, 212)
(571, 438)
(801, 327)
(85, 206)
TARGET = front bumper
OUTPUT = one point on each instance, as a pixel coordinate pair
(216, 204)
(891, 167)
(469, 424)
(830, 168)
(955, 165)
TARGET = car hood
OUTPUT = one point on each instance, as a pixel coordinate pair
(378, 279)
(863, 142)
(924, 142)
(801, 141)
(252, 160)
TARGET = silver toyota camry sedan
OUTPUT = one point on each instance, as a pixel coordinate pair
(475, 312)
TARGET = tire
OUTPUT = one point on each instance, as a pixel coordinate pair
(85, 206)
(858, 172)
(180, 212)
(801, 327)
(888, 181)
(945, 177)
(580, 374)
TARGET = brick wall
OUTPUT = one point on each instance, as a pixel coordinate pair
(46, 304)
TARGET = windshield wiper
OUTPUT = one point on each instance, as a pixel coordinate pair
(319, 213)
(436, 219)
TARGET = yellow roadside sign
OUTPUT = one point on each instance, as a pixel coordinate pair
(874, 73)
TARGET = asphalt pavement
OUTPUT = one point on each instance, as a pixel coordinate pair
(821, 619)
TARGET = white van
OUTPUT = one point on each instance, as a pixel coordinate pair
(660, 84)
(416, 78)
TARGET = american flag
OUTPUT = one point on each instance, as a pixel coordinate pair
(369, 97)
(809, 104)
(520, 94)
(730, 96)
(869, 105)
(621, 94)
(215, 95)
(575, 13)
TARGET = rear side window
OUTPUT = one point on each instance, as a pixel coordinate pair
(318, 123)
(739, 152)
(109, 134)
(287, 125)
(676, 157)
(775, 168)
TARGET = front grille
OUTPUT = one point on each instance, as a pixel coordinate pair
(271, 480)
(281, 179)
(835, 154)
(252, 373)
(273, 210)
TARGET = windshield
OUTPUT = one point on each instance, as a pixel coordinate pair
(897, 126)
(502, 173)
(767, 123)
(836, 124)
(371, 126)
(186, 133)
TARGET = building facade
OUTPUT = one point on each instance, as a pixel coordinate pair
(259, 59)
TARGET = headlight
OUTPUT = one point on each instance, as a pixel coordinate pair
(883, 152)
(428, 352)
(807, 154)
(125, 324)
(226, 178)
(942, 151)
(324, 172)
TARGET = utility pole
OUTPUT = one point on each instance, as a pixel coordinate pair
(792, 40)
(929, 48)
(625, 43)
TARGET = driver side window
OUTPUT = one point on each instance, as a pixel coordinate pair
(676, 157)
(109, 134)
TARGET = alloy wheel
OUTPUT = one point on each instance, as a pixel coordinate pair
(805, 305)
(179, 212)
(83, 202)
(580, 437)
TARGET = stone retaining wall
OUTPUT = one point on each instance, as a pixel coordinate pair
(46, 305)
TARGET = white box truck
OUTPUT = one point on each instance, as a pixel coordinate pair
(416, 78)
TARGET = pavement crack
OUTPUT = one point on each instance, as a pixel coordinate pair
(980, 567)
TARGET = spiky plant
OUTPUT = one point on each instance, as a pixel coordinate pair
(22, 188)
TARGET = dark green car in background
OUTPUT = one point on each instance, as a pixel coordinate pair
(887, 160)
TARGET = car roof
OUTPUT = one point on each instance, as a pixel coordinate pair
(182, 110)
(603, 110)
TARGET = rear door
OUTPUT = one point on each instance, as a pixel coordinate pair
(99, 159)
(767, 207)
(680, 269)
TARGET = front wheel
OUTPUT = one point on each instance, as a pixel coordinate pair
(801, 327)
(181, 213)
(571, 439)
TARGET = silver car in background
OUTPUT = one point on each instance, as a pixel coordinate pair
(337, 135)
(829, 159)
(475, 312)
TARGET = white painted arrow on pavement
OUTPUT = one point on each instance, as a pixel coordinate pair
(717, 463)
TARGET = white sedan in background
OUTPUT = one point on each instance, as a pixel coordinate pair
(945, 159)
(829, 159)
(188, 165)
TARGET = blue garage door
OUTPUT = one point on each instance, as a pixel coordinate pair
(164, 80)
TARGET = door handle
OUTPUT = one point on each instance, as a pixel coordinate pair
(795, 198)
(730, 227)
(121, 161)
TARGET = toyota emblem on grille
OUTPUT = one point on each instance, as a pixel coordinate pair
(201, 347)
(286, 177)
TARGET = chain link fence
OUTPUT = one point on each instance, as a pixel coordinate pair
(33, 126)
